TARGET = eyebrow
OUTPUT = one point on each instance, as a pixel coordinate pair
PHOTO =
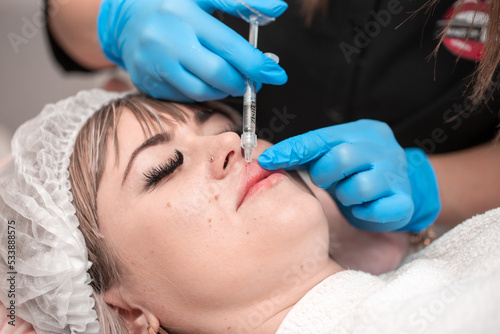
(160, 138)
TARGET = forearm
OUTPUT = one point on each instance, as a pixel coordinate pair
(73, 25)
(469, 182)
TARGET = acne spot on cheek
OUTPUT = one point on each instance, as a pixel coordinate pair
(209, 220)
(216, 197)
(248, 232)
(169, 205)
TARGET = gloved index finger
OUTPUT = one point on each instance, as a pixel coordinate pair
(297, 150)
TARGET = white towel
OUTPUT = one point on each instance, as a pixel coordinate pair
(452, 286)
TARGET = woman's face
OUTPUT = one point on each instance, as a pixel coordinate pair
(197, 233)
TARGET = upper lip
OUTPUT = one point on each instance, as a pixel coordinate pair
(248, 180)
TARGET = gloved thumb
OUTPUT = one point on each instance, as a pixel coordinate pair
(271, 8)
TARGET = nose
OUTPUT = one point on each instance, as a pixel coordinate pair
(226, 152)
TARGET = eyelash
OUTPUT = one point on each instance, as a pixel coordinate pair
(156, 174)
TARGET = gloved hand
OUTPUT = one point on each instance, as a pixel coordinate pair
(365, 171)
(176, 50)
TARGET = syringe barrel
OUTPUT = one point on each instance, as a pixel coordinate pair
(249, 107)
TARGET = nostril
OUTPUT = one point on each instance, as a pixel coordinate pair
(227, 159)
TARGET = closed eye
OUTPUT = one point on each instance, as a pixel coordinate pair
(157, 173)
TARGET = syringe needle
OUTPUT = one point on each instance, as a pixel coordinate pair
(248, 155)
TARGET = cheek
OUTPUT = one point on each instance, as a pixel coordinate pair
(191, 236)
(188, 211)
(196, 200)
(171, 234)
(165, 218)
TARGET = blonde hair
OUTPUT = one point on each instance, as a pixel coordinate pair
(85, 171)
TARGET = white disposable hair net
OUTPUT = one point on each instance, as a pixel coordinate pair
(51, 284)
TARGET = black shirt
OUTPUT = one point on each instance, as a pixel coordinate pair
(364, 59)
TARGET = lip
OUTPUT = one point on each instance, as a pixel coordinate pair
(256, 180)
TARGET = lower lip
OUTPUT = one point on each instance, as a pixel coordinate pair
(266, 183)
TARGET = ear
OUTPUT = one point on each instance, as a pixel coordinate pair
(136, 318)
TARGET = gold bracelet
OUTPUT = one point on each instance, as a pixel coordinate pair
(423, 238)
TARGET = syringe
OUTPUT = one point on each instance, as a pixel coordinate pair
(248, 137)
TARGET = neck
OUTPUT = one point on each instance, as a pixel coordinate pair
(276, 308)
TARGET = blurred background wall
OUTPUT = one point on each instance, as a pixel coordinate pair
(29, 77)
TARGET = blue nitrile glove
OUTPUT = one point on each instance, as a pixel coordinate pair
(176, 50)
(365, 171)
